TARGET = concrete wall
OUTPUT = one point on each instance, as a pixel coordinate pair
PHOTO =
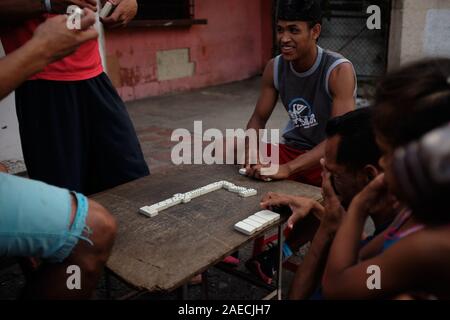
(234, 45)
(419, 29)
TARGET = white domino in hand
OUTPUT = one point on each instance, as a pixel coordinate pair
(243, 172)
(106, 10)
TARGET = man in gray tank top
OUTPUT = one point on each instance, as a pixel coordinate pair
(313, 84)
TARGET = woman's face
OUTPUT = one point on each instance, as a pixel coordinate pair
(385, 162)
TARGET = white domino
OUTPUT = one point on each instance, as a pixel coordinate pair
(248, 193)
(228, 186)
(259, 220)
(245, 228)
(178, 198)
(106, 10)
(149, 211)
(269, 215)
(253, 223)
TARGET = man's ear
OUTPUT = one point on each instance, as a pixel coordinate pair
(316, 30)
(371, 172)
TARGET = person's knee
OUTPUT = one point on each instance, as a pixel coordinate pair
(104, 229)
(3, 168)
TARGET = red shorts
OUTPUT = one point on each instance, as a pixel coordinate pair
(312, 176)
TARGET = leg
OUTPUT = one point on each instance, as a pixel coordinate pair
(50, 122)
(90, 259)
(115, 155)
(49, 223)
(280, 262)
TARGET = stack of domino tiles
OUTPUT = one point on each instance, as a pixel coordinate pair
(256, 222)
(153, 210)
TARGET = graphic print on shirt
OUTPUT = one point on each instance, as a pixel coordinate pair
(301, 114)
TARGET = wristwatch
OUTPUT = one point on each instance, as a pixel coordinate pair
(46, 5)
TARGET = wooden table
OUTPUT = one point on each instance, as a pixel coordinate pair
(165, 252)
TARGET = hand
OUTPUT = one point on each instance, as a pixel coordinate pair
(300, 206)
(56, 41)
(125, 11)
(333, 210)
(284, 172)
(373, 198)
(60, 6)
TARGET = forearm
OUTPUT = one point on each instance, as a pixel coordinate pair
(308, 275)
(15, 10)
(308, 160)
(345, 249)
(256, 123)
(20, 65)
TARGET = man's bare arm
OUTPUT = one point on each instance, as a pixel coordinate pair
(19, 66)
(264, 108)
(308, 275)
(266, 102)
(51, 41)
(342, 84)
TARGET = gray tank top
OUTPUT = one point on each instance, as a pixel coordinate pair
(306, 98)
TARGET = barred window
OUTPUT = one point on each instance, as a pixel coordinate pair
(165, 9)
(166, 13)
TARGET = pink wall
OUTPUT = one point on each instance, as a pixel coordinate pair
(234, 45)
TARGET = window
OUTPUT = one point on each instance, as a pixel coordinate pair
(165, 13)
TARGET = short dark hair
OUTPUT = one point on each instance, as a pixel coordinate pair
(300, 10)
(357, 147)
(413, 100)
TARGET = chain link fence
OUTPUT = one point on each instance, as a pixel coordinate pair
(345, 30)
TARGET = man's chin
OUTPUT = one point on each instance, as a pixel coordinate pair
(290, 57)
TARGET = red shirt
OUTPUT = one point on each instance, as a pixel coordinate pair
(84, 64)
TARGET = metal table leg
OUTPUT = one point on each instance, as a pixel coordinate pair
(280, 262)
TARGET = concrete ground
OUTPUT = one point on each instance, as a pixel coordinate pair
(222, 107)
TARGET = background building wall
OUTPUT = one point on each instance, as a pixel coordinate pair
(418, 29)
(234, 45)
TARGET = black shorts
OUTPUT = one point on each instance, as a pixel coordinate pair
(78, 135)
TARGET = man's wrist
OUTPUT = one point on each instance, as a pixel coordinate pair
(46, 6)
(39, 55)
(290, 169)
(328, 231)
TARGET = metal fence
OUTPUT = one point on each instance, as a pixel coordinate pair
(344, 30)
